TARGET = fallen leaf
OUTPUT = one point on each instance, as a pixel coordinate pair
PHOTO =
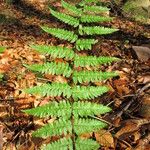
(104, 138)
(142, 52)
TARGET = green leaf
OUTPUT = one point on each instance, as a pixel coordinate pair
(61, 34)
(53, 109)
(65, 18)
(86, 144)
(91, 19)
(88, 92)
(87, 125)
(83, 61)
(92, 76)
(53, 68)
(85, 109)
(56, 128)
(2, 48)
(62, 144)
(54, 89)
(73, 9)
(55, 51)
(96, 30)
(85, 44)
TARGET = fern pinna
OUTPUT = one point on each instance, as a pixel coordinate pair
(73, 113)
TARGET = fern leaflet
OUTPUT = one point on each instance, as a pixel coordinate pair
(96, 30)
(83, 61)
(93, 76)
(90, 92)
(85, 109)
(91, 18)
(54, 89)
(52, 68)
(87, 125)
(65, 18)
(85, 44)
(62, 144)
(56, 128)
(73, 9)
(86, 144)
(61, 33)
(55, 51)
(61, 109)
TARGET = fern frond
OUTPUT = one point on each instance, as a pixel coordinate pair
(85, 44)
(54, 89)
(87, 125)
(91, 19)
(52, 68)
(96, 30)
(92, 76)
(62, 144)
(61, 34)
(58, 127)
(55, 51)
(90, 92)
(85, 109)
(86, 144)
(83, 61)
(65, 18)
(73, 9)
(53, 109)
(95, 9)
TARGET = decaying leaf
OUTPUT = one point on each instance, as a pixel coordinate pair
(143, 53)
(104, 138)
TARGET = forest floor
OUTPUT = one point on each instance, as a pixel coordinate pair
(129, 96)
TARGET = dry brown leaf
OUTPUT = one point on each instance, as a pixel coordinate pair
(131, 126)
(104, 138)
(142, 52)
(121, 86)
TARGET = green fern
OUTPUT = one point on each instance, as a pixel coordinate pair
(62, 144)
(90, 124)
(83, 61)
(63, 109)
(73, 9)
(52, 68)
(54, 89)
(65, 18)
(52, 109)
(56, 128)
(73, 114)
(61, 33)
(93, 76)
(91, 19)
(55, 51)
(96, 30)
(86, 144)
(85, 44)
(90, 92)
